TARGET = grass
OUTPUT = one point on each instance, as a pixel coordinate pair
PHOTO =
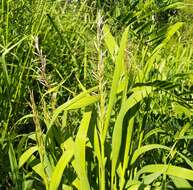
(96, 95)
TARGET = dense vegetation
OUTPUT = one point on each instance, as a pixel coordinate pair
(96, 94)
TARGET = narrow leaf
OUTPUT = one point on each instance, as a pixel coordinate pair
(181, 183)
(26, 155)
(109, 41)
(119, 70)
(80, 148)
(168, 170)
(59, 169)
(146, 148)
(80, 101)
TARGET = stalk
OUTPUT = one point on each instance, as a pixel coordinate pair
(101, 111)
(7, 24)
(39, 138)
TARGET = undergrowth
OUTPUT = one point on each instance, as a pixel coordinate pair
(96, 95)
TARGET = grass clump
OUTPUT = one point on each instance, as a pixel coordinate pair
(95, 95)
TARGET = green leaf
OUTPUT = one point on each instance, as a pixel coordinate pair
(152, 132)
(150, 178)
(181, 183)
(5, 71)
(26, 155)
(168, 170)
(67, 187)
(146, 148)
(171, 31)
(109, 41)
(39, 169)
(79, 151)
(179, 110)
(23, 118)
(132, 185)
(127, 151)
(14, 166)
(138, 94)
(119, 70)
(59, 169)
(80, 101)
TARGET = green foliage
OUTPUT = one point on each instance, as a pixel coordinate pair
(96, 95)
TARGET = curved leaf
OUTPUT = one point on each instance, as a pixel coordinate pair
(80, 101)
(59, 169)
(146, 148)
(26, 155)
(79, 152)
(168, 170)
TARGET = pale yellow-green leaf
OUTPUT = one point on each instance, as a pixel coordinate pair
(109, 41)
(138, 94)
(118, 71)
(39, 169)
(26, 155)
(79, 151)
(146, 148)
(59, 169)
(171, 31)
(179, 110)
(181, 183)
(80, 101)
(168, 170)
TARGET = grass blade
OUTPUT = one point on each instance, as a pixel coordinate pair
(181, 183)
(80, 146)
(14, 166)
(59, 169)
(109, 41)
(138, 94)
(168, 170)
(119, 70)
(80, 101)
(26, 155)
(146, 148)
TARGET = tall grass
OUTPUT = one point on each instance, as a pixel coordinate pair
(89, 104)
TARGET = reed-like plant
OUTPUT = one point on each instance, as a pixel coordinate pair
(85, 109)
(113, 133)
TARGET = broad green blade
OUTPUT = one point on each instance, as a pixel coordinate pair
(67, 187)
(26, 155)
(79, 152)
(39, 169)
(97, 151)
(179, 110)
(76, 183)
(168, 170)
(5, 71)
(181, 183)
(132, 185)
(86, 101)
(59, 169)
(138, 94)
(80, 101)
(150, 178)
(109, 41)
(128, 142)
(119, 70)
